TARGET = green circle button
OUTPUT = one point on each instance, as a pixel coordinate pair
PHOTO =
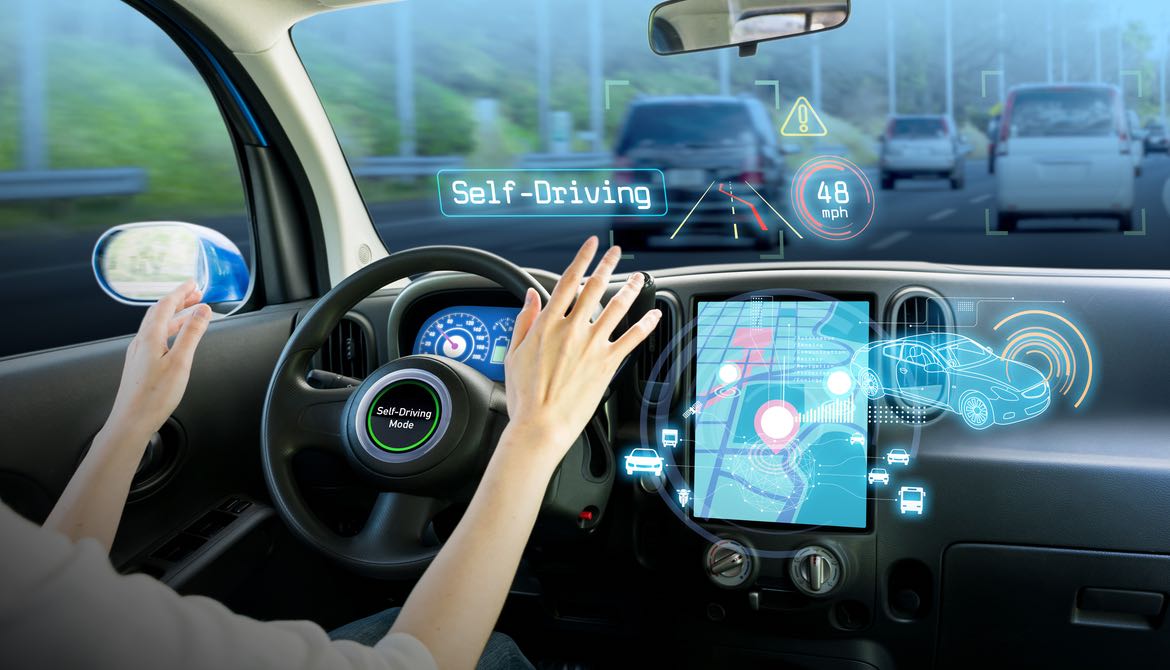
(403, 416)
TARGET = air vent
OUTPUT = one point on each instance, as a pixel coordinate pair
(347, 351)
(917, 311)
(655, 387)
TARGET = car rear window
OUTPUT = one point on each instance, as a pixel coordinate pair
(691, 124)
(1072, 112)
(917, 128)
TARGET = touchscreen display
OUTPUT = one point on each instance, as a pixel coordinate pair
(780, 431)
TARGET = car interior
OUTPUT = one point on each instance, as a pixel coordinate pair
(901, 411)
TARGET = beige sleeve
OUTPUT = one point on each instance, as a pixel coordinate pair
(62, 605)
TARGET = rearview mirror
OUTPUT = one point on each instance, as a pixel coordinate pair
(682, 26)
(138, 263)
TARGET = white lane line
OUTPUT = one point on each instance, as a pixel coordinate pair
(980, 198)
(941, 214)
(890, 240)
(696, 206)
(794, 231)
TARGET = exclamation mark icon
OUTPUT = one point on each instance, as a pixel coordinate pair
(802, 118)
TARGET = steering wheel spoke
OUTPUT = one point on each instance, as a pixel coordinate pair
(399, 526)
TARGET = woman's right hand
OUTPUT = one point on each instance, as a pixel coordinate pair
(561, 360)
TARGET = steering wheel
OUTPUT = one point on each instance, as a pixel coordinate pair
(420, 428)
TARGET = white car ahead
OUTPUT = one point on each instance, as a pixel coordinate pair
(1064, 151)
(644, 460)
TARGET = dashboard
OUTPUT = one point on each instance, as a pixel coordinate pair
(876, 458)
(476, 335)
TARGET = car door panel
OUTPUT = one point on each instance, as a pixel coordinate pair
(57, 401)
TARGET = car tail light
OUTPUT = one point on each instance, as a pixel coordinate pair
(752, 177)
(622, 163)
(1126, 147)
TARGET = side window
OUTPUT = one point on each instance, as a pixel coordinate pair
(103, 121)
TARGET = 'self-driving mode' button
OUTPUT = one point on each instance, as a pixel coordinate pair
(403, 416)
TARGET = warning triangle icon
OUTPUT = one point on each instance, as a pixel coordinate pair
(803, 121)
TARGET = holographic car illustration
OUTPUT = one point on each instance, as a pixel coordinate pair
(954, 373)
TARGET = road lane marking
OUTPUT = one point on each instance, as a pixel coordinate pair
(941, 214)
(794, 231)
(890, 240)
(696, 206)
(980, 198)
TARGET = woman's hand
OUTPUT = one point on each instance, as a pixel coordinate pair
(155, 376)
(153, 380)
(560, 361)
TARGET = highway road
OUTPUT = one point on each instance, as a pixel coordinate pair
(49, 294)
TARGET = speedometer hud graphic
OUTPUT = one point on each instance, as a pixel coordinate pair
(477, 336)
(780, 435)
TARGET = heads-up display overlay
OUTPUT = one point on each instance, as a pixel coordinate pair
(781, 433)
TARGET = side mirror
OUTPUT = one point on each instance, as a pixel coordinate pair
(682, 26)
(138, 263)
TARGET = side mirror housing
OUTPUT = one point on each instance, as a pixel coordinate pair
(138, 263)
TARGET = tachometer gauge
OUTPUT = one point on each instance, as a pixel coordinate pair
(456, 335)
(501, 338)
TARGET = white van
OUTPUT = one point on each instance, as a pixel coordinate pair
(1064, 151)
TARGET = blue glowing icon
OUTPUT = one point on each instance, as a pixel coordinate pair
(954, 373)
(644, 460)
(898, 457)
(684, 496)
(878, 476)
(670, 437)
(911, 499)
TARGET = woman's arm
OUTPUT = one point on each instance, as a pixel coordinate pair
(153, 380)
(558, 366)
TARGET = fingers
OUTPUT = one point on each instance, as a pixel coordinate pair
(637, 333)
(619, 305)
(160, 313)
(594, 288)
(525, 319)
(566, 289)
(177, 321)
(189, 335)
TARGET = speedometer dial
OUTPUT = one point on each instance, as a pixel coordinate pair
(459, 336)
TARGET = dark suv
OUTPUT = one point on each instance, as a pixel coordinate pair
(721, 150)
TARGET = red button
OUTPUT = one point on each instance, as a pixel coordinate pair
(586, 515)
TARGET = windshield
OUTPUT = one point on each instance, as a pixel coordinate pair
(522, 127)
(1055, 112)
(919, 127)
(686, 125)
(964, 353)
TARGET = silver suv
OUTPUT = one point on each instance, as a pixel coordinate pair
(921, 147)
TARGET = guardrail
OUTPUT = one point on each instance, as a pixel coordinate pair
(582, 160)
(375, 167)
(67, 184)
(402, 166)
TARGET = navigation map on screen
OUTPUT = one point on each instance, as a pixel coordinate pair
(780, 435)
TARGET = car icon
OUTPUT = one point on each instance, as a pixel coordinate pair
(910, 499)
(898, 456)
(856, 438)
(953, 373)
(643, 460)
(878, 475)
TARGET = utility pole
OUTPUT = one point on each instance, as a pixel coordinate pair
(1120, 50)
(815, 65)
(596, 74)
(1000, 29)
(891, 60)
(1097, 75)
(32, 88)
(404, 86)
(949, 62)
(1048, 40)
(543, 72)
(1063, 52)
(1165, 52)
(724, 72)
